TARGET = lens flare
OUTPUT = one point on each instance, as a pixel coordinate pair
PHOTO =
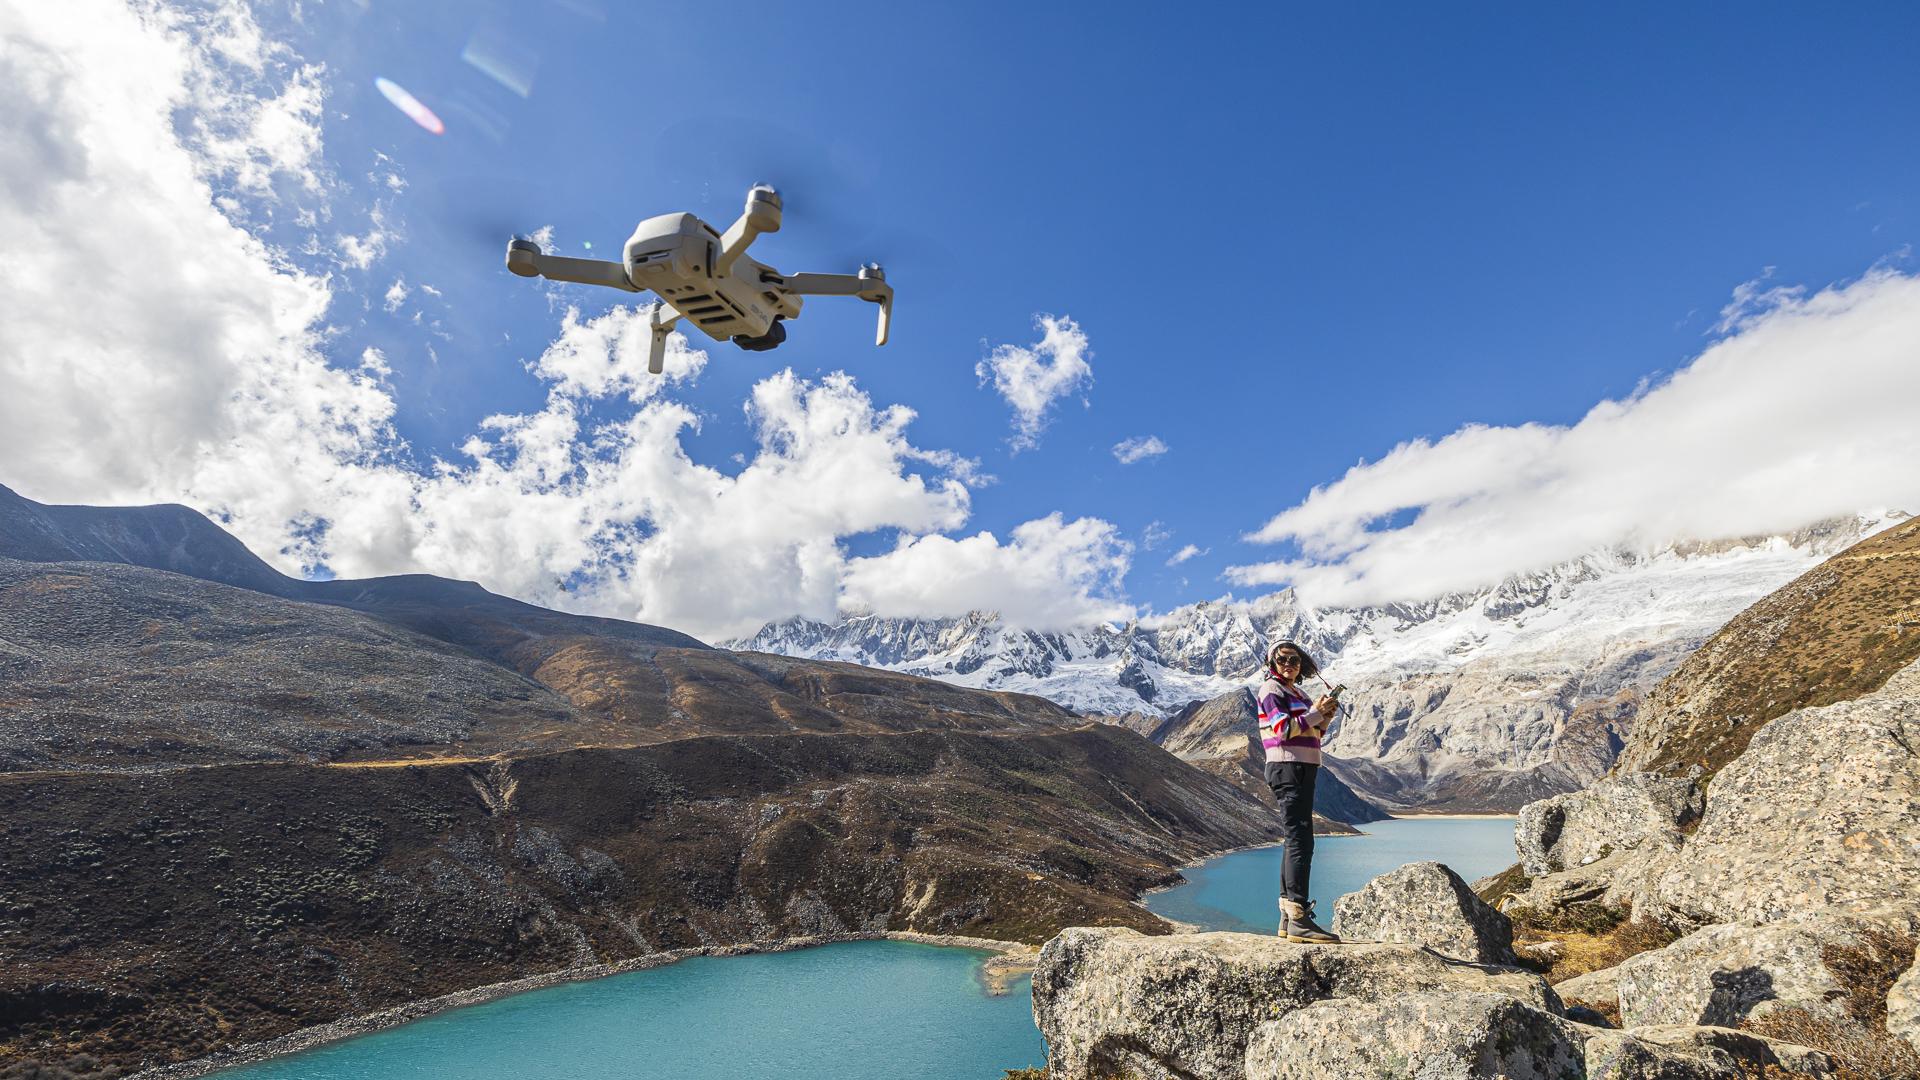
(410, 105)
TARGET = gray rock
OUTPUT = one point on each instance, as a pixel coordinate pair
(1113, 1002)
(1676, 1052)
(1600, 989)
(1903, 1004)
(1618, 1055)
(1619, 813)
(1723, 974)
(1426, 903)
(1818, 813)
(1429, 1036)
(1696, 1053)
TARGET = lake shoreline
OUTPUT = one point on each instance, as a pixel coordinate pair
(1010, 960)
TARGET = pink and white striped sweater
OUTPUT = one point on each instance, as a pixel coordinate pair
(1290, 727)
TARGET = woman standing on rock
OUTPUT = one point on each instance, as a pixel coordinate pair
(1291, 727)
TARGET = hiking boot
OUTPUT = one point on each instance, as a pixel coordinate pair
(1298, 925)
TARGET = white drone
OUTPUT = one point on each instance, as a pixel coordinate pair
(708, 279)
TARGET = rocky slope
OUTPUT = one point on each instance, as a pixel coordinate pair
(1832, 634)
(1474, 701)
(233, 804)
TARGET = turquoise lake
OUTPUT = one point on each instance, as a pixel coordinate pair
(1241, 891)
(858, 1009)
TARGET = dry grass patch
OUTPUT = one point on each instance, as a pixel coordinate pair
(1586, 938)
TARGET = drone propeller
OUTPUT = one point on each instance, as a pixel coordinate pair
(819, 183)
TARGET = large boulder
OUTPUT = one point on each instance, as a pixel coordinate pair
(1432, 1036)
(1696, 1053)
(1618, 813)
(1818, 813)
(1723, 974)
(1903, 1005)
(1115, 1003)
(1426, 903)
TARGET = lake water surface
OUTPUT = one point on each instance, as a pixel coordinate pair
(858, 1009)
(1241, 891)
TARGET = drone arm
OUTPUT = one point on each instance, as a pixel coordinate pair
(867, 286)
(824, 284)
(534, 263)
(762, 215)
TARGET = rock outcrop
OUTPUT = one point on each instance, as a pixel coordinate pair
(1426, 903)
(1114, 1002)
(1722, 975)
(1116, 1005)
(1434, 1036)
(1818, 812)
(1615, 814)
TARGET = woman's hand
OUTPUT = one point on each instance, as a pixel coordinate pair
(1326, 707)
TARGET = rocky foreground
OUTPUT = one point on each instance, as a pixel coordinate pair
(1752, 890)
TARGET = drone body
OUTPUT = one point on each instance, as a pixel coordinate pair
(707, 278)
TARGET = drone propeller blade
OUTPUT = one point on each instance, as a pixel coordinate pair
(818, 181)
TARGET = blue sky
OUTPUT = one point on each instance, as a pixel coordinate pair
(1294, 237)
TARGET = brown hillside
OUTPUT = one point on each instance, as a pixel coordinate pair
(1834, 633)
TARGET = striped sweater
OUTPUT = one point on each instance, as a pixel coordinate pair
(1290, 727)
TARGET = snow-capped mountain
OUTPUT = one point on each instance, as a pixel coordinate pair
(1485, 698)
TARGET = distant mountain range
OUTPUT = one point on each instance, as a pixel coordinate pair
(1480, 700)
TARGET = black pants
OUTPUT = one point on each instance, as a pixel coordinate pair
(1292, 784)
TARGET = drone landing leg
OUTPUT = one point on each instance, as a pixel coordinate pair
(657, 354)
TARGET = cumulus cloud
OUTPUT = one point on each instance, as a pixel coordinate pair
(396, 295)
(205, 380)
(1051, 574)
(1185, 553)
(1155, 534)
(1032, 378)
(1138, 448)
(1804, 410)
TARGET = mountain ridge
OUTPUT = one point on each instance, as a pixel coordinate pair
(1476, 701)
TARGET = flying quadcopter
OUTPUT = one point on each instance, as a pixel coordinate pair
(706, 277)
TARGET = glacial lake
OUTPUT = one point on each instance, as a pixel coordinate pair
(856, 1009)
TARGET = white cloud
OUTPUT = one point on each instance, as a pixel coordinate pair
(1185, 553)
(202, 379)
(1032, 378)
(1155, 534)
(1806, 411)
(396, 295)
(109, 389)
(360, 252)
(1051, 574)
(1138, 448)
